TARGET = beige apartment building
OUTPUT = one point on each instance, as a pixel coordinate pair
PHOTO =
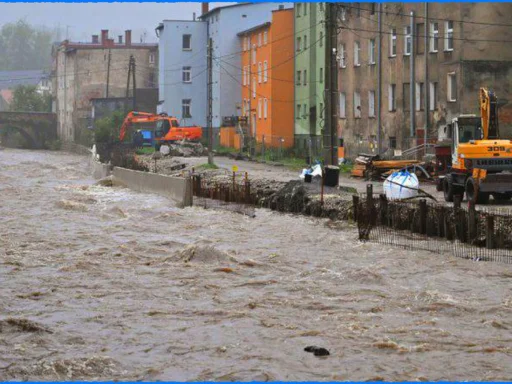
(409, 68)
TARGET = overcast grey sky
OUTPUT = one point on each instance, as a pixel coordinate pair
(85, 19)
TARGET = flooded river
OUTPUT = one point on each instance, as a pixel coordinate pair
(105, 283)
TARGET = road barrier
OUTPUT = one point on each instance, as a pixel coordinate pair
(178, 189)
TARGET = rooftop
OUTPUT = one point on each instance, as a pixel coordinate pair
(13, 79)
(255, 28)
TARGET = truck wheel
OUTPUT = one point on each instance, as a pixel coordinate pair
(448, 188)
(439, 185)
(472, 195)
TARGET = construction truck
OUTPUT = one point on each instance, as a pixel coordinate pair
(167, 128)
(481, 161)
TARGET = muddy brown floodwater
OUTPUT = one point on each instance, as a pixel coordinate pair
(100, 283)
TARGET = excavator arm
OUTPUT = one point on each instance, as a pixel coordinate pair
(489, 114)
(137, 117)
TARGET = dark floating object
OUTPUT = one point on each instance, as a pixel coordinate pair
(317, 351)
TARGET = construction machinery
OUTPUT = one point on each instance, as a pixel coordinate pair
(167, 128)
(481, 161)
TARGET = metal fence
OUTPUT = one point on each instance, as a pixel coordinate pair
(467, 232)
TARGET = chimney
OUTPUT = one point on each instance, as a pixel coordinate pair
(204, 8)
(128, 37)
(95, 39)
(104, 36)
(120, 39)
(193, 16)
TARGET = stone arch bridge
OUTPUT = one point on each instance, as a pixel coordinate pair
(36, 127)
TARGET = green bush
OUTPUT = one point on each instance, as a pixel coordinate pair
(108, 128)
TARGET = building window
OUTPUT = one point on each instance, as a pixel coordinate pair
(392, 142)
(305, 9)
(298, 78)
(372, 9)
(304, 80)
(343, 63)
(343, 13)
(185, 108)
(357, 49)
(392, 43)
(305, 111)
(321, 75)
(299, 9)
(452, 87)
(244, 74)
(448, 35)
(406, 92)
(253, 87)
(433, 96)
(407, 41)
(298, 44)
(187, 78)
(392, 97)
(357, 105)
(321, 110)
(371, 103)
(151, 58)
(342, 111)
(265, 108)
(265, 38)
(254, 53)
(419, 97)
(298, 111)
(434, 37)
(245, 43)
(371, 51)
(259, 39)
(321, 39)
(260, 72)
(420, 39)
(265, 71)
(187, 42)
(259, 108)
(357, 7)
(305, 42)
(321, 7)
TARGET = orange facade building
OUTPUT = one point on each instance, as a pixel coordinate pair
(267, 79)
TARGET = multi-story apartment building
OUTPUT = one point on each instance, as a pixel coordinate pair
(81, 70)
(267, 79)
(188, 66)
(433, 59)
(310, 39)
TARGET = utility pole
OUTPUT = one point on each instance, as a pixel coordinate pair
(128, 83)
(331, 82)
(210, 101)
(108, 71)
(134, 93)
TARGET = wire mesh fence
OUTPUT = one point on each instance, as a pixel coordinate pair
(479, 234)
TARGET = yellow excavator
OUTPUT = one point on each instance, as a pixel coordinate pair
(481, 161)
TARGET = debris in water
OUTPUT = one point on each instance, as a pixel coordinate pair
(22, 325)
(317, 351)
(226, 270)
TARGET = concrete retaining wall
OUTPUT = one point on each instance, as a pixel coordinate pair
(99, 170)
(178, 189)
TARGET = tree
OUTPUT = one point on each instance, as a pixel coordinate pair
(25, 98)
(107, 128)
(25, 47)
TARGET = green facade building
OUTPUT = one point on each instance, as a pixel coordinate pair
(310, 39)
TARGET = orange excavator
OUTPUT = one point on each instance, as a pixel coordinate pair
(167, 128)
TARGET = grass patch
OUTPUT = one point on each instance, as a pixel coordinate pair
(207, 166)
(220, 150)
(145, 151)
(346, 168)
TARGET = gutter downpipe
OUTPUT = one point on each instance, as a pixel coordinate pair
(379, 84)
(427, 84)
(412, 83)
